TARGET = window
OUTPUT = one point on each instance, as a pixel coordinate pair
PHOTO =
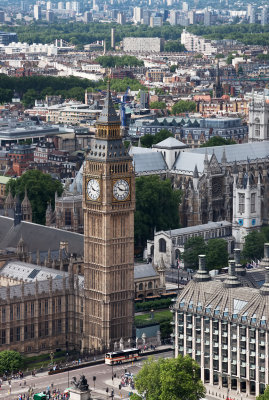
(3, 336)
(32, 309)
(46, 328)
(253, 201)
(59, 305)
(150, 285)
(59, 327)
(162, 246)
(18, 334)
(18, 311)
(241, 203)
(11, 313)
(257, 127)
(26, 332)
(3, 314)
(46, 307)
(140, 286)
(32, 331)
(11, 335)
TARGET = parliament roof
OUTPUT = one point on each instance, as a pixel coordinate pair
(236, 152)
(152, 161)
(37, 236)
(170, 143)
(187, 161)
(144, 271)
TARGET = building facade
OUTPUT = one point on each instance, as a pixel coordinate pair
(223, 325)
(258, 120)
(143, 45)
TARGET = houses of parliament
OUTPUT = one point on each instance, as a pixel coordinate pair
(55, 306)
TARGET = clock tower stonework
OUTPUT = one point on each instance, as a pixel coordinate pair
(108, 203)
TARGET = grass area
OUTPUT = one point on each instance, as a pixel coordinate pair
(43, 360)
(159, 316)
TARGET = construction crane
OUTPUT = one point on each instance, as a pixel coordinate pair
(122, 108)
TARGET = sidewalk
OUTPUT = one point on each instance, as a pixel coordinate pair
(214, 392)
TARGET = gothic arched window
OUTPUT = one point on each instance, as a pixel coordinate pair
(257, 126)
(150, 285)
(140, 286)
(162, 246)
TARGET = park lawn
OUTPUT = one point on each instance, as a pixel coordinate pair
(159, 316)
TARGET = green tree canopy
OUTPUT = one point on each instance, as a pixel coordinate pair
(215, 250)
(173, 68)
(156, 207)
(10, 361)
(174, 46)
(217, 254)
(192, 249)
(170, 378)
(217, 141)
(183, 106)
(159, 105)
(41, 190)
(117, 61)
(148, 140)
(254, 244)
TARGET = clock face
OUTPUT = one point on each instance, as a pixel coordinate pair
(121, 189)
(93, 189)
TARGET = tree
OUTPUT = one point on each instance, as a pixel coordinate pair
(216, 254)
(156, 207)
(173, 68)
(253, 247)
(265, 395)
(41, 190)
(192, 249)
(174, 46)
(148, 140)
(171, 378)
(183, 106)
(159, 105)
(10, 361)
(217, 141)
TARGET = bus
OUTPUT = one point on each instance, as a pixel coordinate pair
(122, 356)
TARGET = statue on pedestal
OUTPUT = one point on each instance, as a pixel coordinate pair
(81, 384)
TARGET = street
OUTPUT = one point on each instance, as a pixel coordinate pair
(103, 374)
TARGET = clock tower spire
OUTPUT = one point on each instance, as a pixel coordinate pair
(108, 203)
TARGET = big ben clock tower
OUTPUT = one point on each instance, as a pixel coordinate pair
(108, 203)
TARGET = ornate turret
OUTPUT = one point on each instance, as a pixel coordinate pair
(9, 203)
(48, 214)
(26, 208)
(17, 211)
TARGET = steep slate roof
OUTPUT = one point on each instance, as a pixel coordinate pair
(37, 236)
(144, 271)
(237, 152)
(30, 272)
(170, 143)
(199, 228)
(187, 161)
(149, 162)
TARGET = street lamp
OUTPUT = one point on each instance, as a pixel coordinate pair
(67, 369)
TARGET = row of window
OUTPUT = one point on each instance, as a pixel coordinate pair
(15, 311)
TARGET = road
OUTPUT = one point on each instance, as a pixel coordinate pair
(173, 274)
(102, 372)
